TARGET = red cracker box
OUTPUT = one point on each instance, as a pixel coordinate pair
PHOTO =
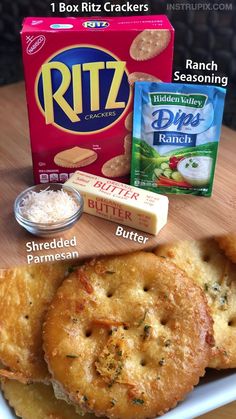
(79, 76)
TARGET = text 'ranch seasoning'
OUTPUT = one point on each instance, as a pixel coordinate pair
(175, 137)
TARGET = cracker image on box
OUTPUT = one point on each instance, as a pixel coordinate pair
(149, 44)
(139, 76)
(129, 121)
(118, 166)
(75, 157)
(128, 144)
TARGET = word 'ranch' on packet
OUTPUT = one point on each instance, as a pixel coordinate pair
(175, 137)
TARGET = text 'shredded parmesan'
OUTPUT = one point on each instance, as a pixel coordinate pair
(47, 206)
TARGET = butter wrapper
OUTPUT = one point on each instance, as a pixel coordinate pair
(121, 203)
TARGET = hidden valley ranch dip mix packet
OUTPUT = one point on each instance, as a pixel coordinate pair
(176, 132)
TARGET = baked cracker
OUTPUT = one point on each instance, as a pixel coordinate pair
(208, 266)
(25, 293)
(122, 339)
(228, 244)
(37, 401)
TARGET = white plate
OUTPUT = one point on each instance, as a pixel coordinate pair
(215, 390)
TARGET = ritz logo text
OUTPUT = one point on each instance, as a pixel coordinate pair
(96, 24)
(82, 89)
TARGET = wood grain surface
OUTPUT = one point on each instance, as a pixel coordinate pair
(189, 216)
(225, 412)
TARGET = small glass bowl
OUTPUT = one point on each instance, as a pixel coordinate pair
(43, 229)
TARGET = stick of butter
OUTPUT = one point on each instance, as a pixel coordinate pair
(121, 203)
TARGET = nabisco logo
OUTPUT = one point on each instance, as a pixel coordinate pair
(35, 44)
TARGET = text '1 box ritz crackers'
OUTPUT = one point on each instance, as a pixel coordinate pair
(80, 76)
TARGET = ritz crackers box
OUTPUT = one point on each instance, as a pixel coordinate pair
(80, 75)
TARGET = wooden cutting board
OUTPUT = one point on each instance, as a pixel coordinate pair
(189, 216)
(225, 412)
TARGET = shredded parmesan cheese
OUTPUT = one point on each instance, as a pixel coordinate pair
(47, 206)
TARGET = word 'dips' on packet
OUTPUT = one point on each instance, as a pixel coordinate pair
(80, 75)
(176, 136)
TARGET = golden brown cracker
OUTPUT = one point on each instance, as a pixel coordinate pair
(128, 144)
(117, 167)
(228, 244)
(149, 44)
(37, 401)
(129, 121)
(75, 157)
(207, 265)
(25, 293)
(123, 340)
(139, 76)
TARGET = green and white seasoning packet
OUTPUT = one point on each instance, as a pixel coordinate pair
(176, 131)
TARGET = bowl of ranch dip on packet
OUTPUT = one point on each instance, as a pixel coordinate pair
(176, 132)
